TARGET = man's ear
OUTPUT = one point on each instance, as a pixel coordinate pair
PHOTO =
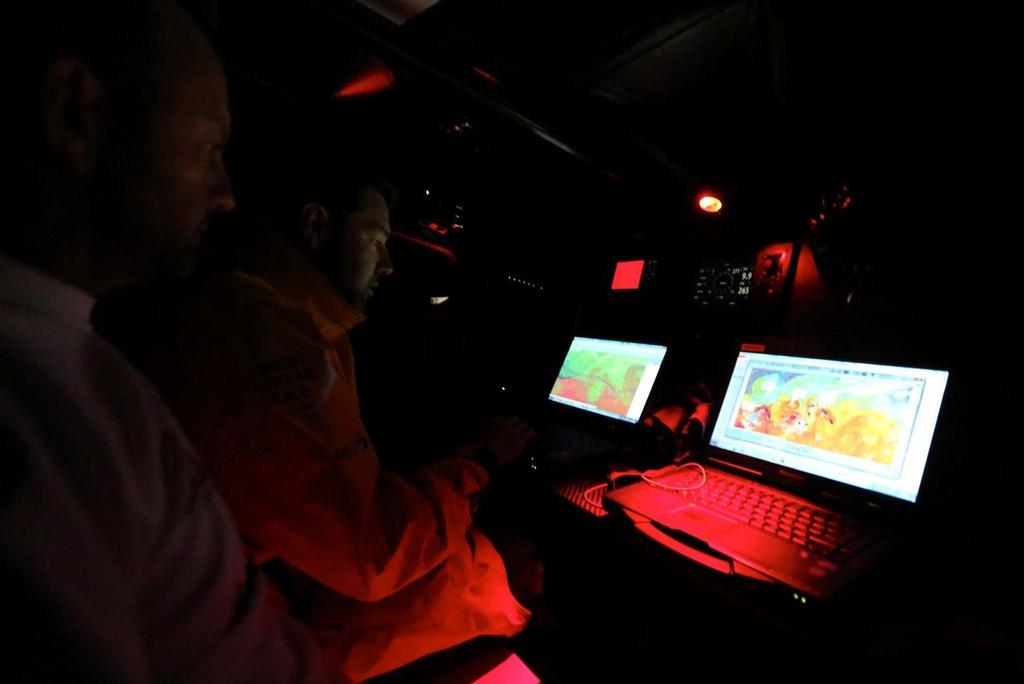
(316, 222)
(70, 99)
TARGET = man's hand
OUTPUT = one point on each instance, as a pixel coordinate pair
(504, 438)
(522, 564)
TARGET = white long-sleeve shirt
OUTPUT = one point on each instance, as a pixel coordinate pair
(119, 561)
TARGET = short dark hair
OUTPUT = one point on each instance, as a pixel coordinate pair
(347, 197)
(339, 186)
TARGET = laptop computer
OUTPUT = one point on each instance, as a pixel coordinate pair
(600, 389)
(811, 464)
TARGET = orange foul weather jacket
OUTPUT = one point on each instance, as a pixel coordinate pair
(260, 372)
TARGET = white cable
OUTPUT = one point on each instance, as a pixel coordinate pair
(671, 488)
(595, 488)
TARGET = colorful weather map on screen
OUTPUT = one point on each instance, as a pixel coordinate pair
(606, 381)
(848, 415)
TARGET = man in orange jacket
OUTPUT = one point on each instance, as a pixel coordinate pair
(260, 371)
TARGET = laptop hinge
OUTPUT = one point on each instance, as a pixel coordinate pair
(851, 503)
(792, 475)
(734, 466)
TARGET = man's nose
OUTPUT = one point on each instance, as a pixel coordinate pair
(384, 265)
(222, 195)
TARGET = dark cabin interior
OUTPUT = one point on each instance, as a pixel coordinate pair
(536, 145)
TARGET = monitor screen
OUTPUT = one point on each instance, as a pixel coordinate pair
(865, 425)
(608, 377)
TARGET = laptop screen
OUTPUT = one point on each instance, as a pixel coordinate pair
(865, 425)
(608, 377)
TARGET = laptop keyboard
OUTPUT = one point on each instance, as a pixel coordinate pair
(826, 533)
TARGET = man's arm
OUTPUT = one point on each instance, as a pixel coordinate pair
(120, 561)
(269, 398)
(69, 614)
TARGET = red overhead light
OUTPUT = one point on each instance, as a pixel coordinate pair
(375, 78)
(433, 226)
(709, 203)
(406, 237)
(486, 76)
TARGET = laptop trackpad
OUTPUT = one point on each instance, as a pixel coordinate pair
(697, 522)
